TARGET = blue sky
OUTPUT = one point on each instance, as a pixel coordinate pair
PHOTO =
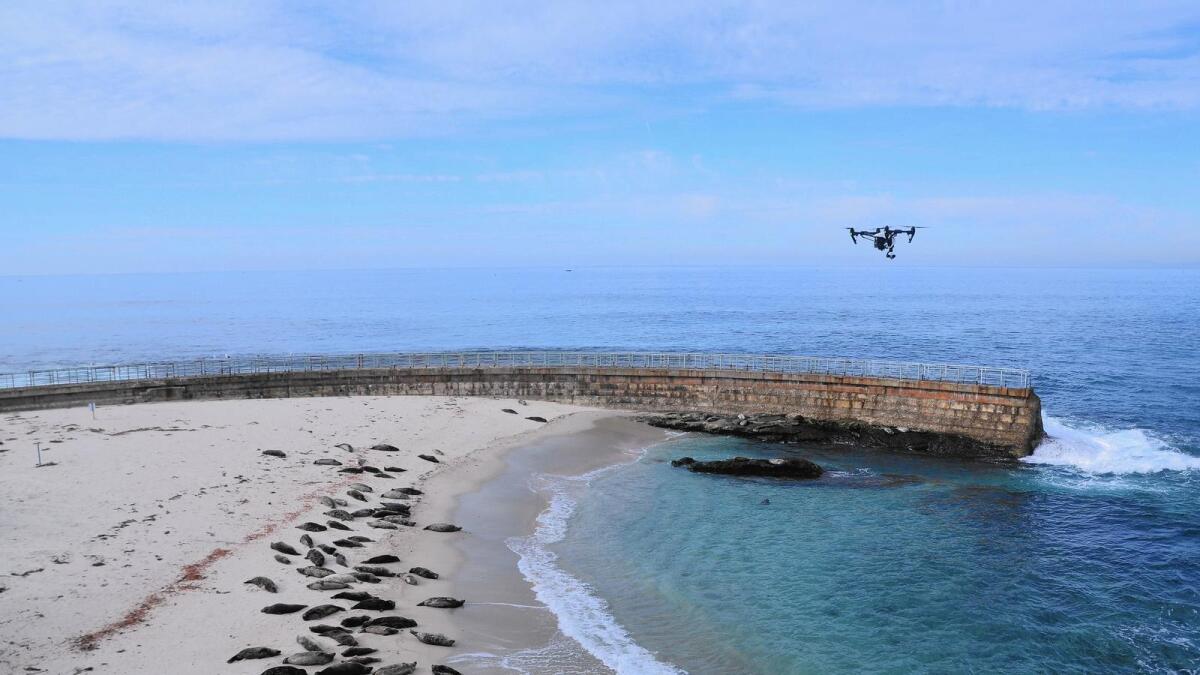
(198, 136)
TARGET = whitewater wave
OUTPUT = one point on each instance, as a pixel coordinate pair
(582, 615)
(1104, 451)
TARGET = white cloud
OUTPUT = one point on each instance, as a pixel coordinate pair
(361, 70)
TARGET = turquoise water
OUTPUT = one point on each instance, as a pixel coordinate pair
(1083, 559)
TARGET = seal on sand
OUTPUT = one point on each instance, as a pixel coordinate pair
(284, 548)
(327, 461)
(435, 639)
(393, 622)
(381, 559)
(442, 527)
(398, 669)
(309, 644)
(282, 608)
(423, 572)
(309, 658)
(320, 612)
(348, 668)
(327, 585)
(384, 447)
(254, 653)
(284, 670)
(361, 487)
(442, 670)
(274, 453)
(376, 604)
(263, 583)
(429, 458)
(337, 525)
(311, 527)
(280, 558)
(441, 603)
(315, 557)
(357, 495)
(306, 540)
(359, 651)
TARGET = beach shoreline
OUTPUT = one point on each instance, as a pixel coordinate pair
(134, 545)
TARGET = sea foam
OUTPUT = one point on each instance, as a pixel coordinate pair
(1103, 451)
(582, 615)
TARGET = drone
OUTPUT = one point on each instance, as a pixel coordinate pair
(884, 238)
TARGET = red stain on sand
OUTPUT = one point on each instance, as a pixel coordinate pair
(194, 572)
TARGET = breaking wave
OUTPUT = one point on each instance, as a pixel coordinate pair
(1103, 451)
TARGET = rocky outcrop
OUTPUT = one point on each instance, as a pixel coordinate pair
(777, 428)
(789, 467)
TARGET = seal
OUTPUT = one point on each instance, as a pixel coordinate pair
(362, 513)
(341, 578)
(282, 559)
(429, 458)
(353, 595)
(375, 569)
(381, 559)
(327, 461)
(366, 577)
(394, 469)
(435, 639)
(359, 651)
(347, 543)
(345, 446)
(309, 644)
(282, 608)
(327, 548)
(510, 411)
(340, 559)
(441, 602)
(284, 548)
(320, 612)
(263, 583)
(393, 622)
(315, 557)
(442, 527)
(327, 501)
(380, 630)
(423, 572)
(370, 469)
(535, 418)
(338, 525)
(409, 579)
(306, 540)
(314, 571)
(376, 605)
(274, 453)
(340, 514)
(350, 469)
(444, 670)
(254, 653)
(360, 538)
(398, 669)
(383, 525)
(384, 447)
(361, 487)
(357, 495)
(347, 668)
(410, 491)
(365, 660)
(355, 621)
(327, 585)
(309, 659)
(311, 527)
(284, 670)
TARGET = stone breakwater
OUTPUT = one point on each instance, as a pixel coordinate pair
(778, 428)
(914, 415)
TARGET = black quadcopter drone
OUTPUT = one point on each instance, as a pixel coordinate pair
(884, 238)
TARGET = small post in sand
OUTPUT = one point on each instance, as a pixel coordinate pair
(92, 407)
(39, 449)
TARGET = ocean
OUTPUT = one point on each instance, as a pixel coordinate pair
(1083, 558)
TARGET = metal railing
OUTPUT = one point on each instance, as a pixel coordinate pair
(1000, 377)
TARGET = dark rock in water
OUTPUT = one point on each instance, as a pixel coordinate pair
(441, 603)
(423, 572)
(429, 458)
(376, 605)
(263, 583)
(393, 622)
(282, 608)
(394, 469)
(284, 548)
(435, 639)
(254, 653)
(510, 411)
(311, 527)
(327, 461)
(536, 418)
(682, 461)
(442, 527)
(780, 428)
(398, 669)
(347, 668)
(381, 560)
(765, 502)
(320, 612)
(274, 453)
(444, 670)
(309, 659)
(790, 467)
(284, 670)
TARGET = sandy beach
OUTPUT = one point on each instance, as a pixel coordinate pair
(128, 550)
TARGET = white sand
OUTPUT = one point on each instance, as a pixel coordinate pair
(149, 490)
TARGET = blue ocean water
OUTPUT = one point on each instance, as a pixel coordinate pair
(1083, 559)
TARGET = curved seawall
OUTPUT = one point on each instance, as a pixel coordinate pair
(917, 415)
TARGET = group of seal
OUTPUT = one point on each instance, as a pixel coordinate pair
(392, 510)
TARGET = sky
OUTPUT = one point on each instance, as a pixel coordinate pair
(162, 136)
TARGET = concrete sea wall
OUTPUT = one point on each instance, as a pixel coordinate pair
(982, 420)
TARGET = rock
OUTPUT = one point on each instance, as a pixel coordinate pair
(274, 453)
(435, 639)
(254, 653)
(536, 418)
(442, 527)
(683, 461)
(429, 458)
(441, 603)
(263, 583)
(790, 467)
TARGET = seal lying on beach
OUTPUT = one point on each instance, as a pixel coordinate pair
(379, 630)
(327, 461)
(357, 495)
(306, 540)
(327, 585)
(442, 527)
(435, 639)
(375, 569)
(347, 543)
(314, 571)
(284, 670)
(348, 668)
(381, 559)
(444, 670)
(345, 446)
(284, 548)
(393, 622)
(535, 418)
(384, 447)
(315, 557)
(383, 525)
(429, 458)
(337, 525)
(340, 514)
(353, 595)
(309, 659)
(280, 558)
(320, 612)
(254, 653)
(355, 621)
(359, 651)
(376, 605)
(282, 608)
(361, 487)
(441, 603)
(309, 644)
(394, 469)
(311, 527)
(263, 583)
(409, 579)
(398, 669)
(423, 572)
(274, 453)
